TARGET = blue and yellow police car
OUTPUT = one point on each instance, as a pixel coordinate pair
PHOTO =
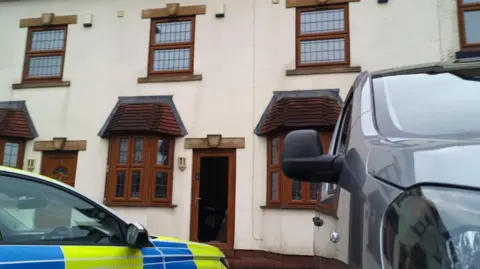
(45, 224)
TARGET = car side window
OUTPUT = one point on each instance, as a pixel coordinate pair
(33, 212)
(343, 131)
(340, 143)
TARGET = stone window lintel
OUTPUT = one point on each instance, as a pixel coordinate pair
(173, 10)
(54, 20)
(306, 3)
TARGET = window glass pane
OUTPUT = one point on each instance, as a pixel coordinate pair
(471, 1)
(120, 186)
(315, 188)
(48, 40)
(123, 151)
(45, 66)
(10, 154)
(31, 212)
(171, 59)
(274, 150)
(322, 21)
(161, 184)
(322, 51)
(138, 150)
(453, 98)
(173, 32)
(136, 178)
(296, 190)
(274, 184)
(472, 21)
(163, 147)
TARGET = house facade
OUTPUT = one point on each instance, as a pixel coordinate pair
(162, 110)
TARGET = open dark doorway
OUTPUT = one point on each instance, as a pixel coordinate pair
(213, 200)
(213, 203)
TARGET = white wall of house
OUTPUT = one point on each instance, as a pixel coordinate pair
(243, 58)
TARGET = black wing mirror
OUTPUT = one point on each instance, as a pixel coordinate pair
(302, 158)
(137, 236)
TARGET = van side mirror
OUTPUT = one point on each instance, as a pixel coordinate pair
(302, 158)
(137, 236)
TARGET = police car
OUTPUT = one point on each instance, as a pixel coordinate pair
(47, 224)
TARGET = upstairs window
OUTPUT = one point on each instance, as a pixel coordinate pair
(171, 46)
(45, 53)
(322, 36)
(140, 171)
(469, 20)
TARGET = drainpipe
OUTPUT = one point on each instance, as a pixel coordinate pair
(253, 124)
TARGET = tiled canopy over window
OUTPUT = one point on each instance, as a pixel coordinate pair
(16, 127)
(142, 133)
(287, 111)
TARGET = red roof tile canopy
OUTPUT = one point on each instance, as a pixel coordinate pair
(154, 117)
(300, 112)
(14, 122)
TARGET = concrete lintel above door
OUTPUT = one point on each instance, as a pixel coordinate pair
(215, 141)
(60, 143)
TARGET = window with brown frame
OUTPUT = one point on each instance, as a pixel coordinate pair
(171, 46)
(282, 191)
(322, 36)
(45, 53)
(468, 20)
(140, 171)
(12, 152)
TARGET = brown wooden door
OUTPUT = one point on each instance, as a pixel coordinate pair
(230, 217)
(61, 165)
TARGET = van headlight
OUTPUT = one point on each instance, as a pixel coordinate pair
(432, 227)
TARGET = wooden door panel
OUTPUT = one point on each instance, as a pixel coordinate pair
(60, 165)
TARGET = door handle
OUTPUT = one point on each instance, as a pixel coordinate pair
(317, 221)
(197, 200)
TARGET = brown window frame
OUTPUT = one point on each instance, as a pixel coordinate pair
(462, 8)
(285, 184)
(21, 150)
(322, 36)
(29, 53)
(147, 168)
(181, 45)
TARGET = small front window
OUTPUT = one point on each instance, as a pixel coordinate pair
(141, 171)
(37, 213)
(469, 19)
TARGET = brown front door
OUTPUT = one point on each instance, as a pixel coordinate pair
(61, 165)
(213, 197)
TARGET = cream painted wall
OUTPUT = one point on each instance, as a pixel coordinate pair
(243, 58)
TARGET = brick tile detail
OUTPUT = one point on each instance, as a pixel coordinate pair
(300, 112)
(14, 123)
(143, 118)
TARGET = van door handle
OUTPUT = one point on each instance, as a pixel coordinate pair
(317, 221)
